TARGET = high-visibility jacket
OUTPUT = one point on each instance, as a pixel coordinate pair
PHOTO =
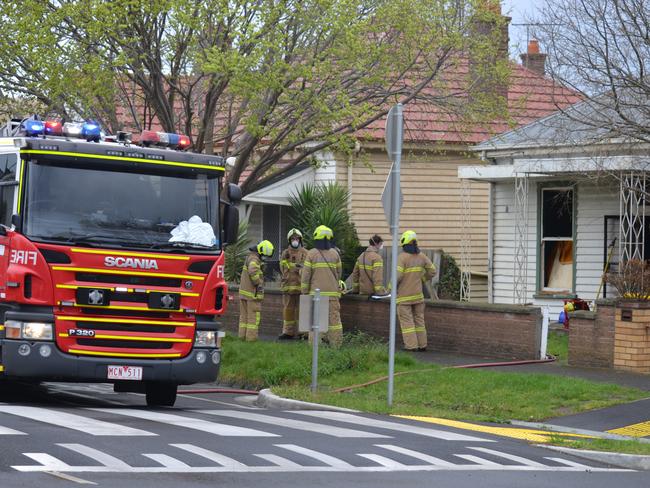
(291, 262)
(321, 269)
(251, 283)
(368, 273)
(412, 271)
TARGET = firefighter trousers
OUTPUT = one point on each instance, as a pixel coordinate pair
(249, 318)
(290, 314)
(411, 321)
(334, 333)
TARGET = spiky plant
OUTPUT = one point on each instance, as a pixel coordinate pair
(318, 204)
(236, 253)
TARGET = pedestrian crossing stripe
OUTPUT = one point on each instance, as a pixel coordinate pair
(641, 429)
(80, 423)
(531, 435)
(400, 427)
(102, 462)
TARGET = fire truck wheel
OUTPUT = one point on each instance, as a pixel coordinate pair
(161, 394)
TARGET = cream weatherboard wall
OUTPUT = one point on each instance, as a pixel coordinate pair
(594, 201)
(432, 205)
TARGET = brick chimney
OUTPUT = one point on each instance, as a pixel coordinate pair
(533, 59)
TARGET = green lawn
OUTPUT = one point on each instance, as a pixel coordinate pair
(627, 447)
(558, 345)
(464, 394)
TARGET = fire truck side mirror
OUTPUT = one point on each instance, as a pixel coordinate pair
(234, 193)
(16, 222)
(230, 224)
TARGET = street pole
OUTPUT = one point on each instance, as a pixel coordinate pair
(315, 340)
(394, 228)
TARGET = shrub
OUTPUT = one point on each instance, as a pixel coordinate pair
(236, 254)
(449, 285)
(316, 205)
(632, 280)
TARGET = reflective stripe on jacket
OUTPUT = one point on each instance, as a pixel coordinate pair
(251, 283)
(322, 269)
(368, 273)
(412, 271)
(291, 262)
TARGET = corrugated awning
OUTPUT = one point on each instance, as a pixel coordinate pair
(279, 191)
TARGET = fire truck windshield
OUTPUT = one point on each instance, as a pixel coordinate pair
(115, 206)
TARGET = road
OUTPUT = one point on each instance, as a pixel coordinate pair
(57, 434)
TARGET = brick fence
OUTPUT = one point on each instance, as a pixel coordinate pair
(497, 331)
(591, 336)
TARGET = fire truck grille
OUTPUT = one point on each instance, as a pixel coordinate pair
(121, 344)
(129, 297)
(143, 314)
(128, 280)
(159, 329)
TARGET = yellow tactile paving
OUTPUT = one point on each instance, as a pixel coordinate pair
(531, 435)
(641, 429)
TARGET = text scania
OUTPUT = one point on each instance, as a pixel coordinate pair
(138, 263)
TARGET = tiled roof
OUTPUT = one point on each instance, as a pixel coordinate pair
(530, 97)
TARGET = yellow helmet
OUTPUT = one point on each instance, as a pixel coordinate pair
(265, 248)
(408, 237)
(323, 232)
(294, 232)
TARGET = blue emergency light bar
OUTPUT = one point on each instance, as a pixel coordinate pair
(90, 130)
(33, 127)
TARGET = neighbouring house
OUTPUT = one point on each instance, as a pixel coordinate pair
(435, 147)
(567, 200)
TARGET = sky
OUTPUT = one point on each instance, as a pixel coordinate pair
(518, 10)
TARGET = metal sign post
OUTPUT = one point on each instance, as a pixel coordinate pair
(314, 315)
(392, 198)
(315, 340)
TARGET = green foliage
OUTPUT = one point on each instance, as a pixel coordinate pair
(316, 205)
(265, 81)
(262, 364)
(449, 285)
(425, 389)
(608, 445)
(558, 345)
(236, 254)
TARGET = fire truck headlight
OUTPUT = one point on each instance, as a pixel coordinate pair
(37, 331)
(13, 329)
(205, 338)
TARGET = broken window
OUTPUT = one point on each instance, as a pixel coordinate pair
(556, 240)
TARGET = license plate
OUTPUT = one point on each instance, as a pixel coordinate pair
(125, 373)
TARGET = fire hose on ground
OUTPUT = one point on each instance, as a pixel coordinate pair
(344, 389)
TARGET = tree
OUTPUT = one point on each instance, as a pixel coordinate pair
(266, 81)
(601, 48)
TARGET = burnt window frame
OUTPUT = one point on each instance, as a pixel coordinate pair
(541, 291)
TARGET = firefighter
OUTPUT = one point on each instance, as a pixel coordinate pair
(413, 269)
(322, 270)
(251, 291)
(291, 262)
(368, 272)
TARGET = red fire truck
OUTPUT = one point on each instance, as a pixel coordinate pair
(91, 288)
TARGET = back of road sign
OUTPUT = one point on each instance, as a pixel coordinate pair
(306, 304)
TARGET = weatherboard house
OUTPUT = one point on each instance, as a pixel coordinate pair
(566, 201)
